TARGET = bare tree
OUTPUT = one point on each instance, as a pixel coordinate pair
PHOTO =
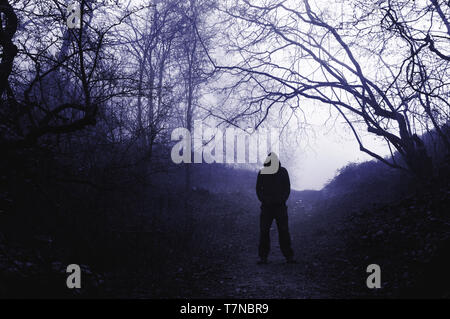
(289, 52)
(193, 61)
(8, 27)
(48, 55)
(423, 80)
(148, 40)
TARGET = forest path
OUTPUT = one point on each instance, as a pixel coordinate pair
(245, 279)
(240, 275)
(228, 267)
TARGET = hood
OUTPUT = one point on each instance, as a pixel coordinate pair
(270, 156)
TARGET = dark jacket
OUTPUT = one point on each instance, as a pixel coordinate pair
(273, 189)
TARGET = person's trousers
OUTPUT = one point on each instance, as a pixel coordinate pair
(268, 214)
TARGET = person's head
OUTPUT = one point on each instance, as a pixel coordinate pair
(271, 164)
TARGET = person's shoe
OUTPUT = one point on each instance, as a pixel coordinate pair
(262, 261)
(291, 261)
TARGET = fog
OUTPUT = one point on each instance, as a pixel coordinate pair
(314, 156)
(329, 151)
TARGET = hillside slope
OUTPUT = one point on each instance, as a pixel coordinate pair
(157, 242)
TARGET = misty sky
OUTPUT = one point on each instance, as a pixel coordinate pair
(313, 154)
(317, 151)
(329, 150)
(319, 143)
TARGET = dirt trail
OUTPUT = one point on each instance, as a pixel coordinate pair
(245, 279)
(233, 272)
(241, 277)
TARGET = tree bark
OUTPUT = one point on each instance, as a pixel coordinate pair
(8, 19)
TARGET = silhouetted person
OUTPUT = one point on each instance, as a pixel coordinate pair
(273, 188)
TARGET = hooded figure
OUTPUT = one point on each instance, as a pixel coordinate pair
(273, 188)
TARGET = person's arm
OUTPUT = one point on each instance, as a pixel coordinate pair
(286, 185)
(259, 186)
